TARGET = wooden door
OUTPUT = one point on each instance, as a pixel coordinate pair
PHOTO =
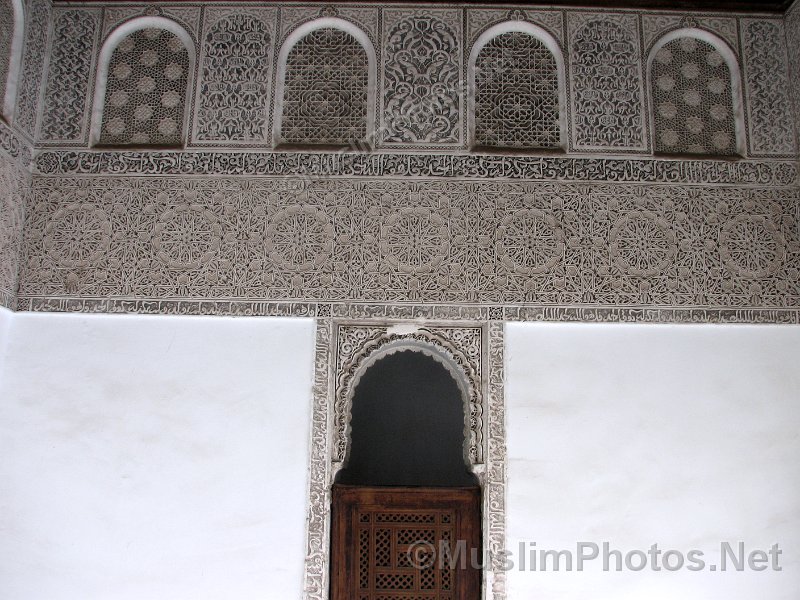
(405, 543)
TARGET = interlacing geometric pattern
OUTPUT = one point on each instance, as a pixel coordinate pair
(234, 90)
(64, 114)
(325, 90)
(516, 94)
(387, 241)
(606, 83)
(6, 36)
(386, 546)
(146, 90)
(692, 99)
(421, 83)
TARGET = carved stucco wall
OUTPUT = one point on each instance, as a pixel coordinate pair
(228, 229)
(14, 187)
(421, 229)
(792, 28)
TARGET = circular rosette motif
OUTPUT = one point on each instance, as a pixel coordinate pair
(415, 240)
(300, 238)
(187, 237)
(751, 246)
(77, 235)
(642, 244)
(530, 241)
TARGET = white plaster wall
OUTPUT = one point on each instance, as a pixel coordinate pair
(149, 458)
(684, 436)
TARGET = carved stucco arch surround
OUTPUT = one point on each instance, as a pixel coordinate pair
(107, 51)
(728, 55)
(425, 341)
(301, 32)
(548, 41)
(473, 355)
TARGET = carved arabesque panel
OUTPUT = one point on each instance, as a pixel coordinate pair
(146, 89)
(30, 80)
(606, 82)
(13, 182)
(233, 97)
(488, 242)
(71, 62)
(792, 28)
(421, 82)
(766, 70)
(692, 97)
(325, 90)
(516, 93)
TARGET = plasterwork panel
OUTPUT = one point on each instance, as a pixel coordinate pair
(792, 27)
(656, 25)
(422, 79)
(187, 15)
(30, 81)
(233, 92)
(606, 82)
(13, 182)
(342, 351)
(70, 69)
(767, 86)
(480, 19)
(364, 17)
(387, 241)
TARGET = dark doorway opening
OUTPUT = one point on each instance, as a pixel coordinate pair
(406, 500)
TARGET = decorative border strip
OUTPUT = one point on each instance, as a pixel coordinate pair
(469, 166)
(7, 299)
(437, 312)
(497, 459)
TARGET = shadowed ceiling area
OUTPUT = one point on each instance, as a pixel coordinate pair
(724, 6)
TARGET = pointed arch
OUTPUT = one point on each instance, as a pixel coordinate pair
(174, 110)
(338, 92)
(12, 36)
(687, 95)
(533, 95)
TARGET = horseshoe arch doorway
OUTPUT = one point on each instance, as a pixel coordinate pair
(405, 512)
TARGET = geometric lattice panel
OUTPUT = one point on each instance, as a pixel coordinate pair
(146, 90)
(692, 99)
(516, 99)
(325, 90)
(393, 545)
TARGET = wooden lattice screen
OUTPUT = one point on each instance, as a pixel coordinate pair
(403, 543)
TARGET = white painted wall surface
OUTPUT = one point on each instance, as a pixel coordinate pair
(150, 458)
(685, 436)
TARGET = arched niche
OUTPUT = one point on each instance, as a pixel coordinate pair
(115, 39)
(662, 87)
(544, 42)
(407, 423)
(299, 36)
